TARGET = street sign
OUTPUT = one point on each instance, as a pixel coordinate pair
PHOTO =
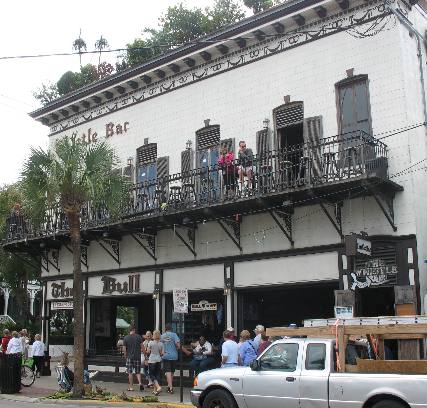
(62, 305)
(180, 300)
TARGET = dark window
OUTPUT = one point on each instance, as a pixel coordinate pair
(354, 106)
(315, 356)
(280, 356)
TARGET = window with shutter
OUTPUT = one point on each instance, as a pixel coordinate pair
(208, 141)
(162, 167)
(146, 154)
(353, 107)
(312, 139)
(229, 144)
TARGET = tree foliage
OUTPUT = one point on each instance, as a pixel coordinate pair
(180, 24)
(46, 93)
(15, 270)
(69, 178)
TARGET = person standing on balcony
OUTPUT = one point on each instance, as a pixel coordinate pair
(246, 161)
(171, 343)
(228, 168)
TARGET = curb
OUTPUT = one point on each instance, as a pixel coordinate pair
(160, 404)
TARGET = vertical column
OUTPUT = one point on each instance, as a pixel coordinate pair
(405, 300)
(87, 323)
(6, 292)
(228, 293)
(158, 297)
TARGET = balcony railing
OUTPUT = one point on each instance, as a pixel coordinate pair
(333, 160)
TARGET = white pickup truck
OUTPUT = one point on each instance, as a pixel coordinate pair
(301, 373)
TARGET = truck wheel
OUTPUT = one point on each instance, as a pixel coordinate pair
(388, 404)
(219, 399)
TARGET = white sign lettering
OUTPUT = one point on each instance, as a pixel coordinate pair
(375, 272)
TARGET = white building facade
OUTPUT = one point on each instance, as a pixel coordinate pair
(330, 96)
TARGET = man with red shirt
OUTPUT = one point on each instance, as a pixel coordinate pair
(5, 340)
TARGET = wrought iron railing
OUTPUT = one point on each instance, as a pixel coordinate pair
(332, 160)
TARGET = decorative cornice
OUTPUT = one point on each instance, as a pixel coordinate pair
(318, 29)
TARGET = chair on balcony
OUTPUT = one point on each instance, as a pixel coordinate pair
(188, 194)
(174, 200)
(329, 167)
(352, 162)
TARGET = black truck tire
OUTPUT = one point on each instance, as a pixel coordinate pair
(388, 403)
(219, 399)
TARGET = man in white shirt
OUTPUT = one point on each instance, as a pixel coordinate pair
(38, 354)
(230, 351)
(259, 330)
(202, 356)
(15, 344)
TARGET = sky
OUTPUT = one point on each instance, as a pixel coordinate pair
(50, 26)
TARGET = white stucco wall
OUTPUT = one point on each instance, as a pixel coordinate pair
(240, 99)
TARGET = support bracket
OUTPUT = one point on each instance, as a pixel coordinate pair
(232, 228)
(191, 235)
(385, 202)
(26, 261)
(286, 226)
(335, 217)
(112, 247)
(147, 243)
(46, 261)
(83, 254)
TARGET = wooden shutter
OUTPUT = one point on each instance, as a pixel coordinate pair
(162, 167)
(128, 172)
(289, 114)
(313, 133)
(208, 137)
(187, 158)
(262, 146)
(146, 153)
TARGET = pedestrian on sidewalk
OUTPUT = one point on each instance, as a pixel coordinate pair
(230, 351)
(171, 345)
(247, 350)
(259, 330)
(5, 340)
(15, 345)
(132, 348)
(155, 350)
(38, 354)
(144, 358)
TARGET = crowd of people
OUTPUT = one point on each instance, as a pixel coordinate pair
(18, 344)
(155, 352)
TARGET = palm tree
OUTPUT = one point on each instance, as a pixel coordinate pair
(79, 45)
(100, 45)
(70, 177)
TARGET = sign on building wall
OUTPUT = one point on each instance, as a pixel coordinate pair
(180, 300)
(59, 289)
(203, 306)
(62, 305)
(374, 272)
(121, 284)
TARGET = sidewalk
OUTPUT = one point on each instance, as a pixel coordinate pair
(45, 386)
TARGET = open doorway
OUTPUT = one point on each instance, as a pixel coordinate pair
(290, 140)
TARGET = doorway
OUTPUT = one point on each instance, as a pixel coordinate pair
(113, 316)
(291, 141)
(375, 301)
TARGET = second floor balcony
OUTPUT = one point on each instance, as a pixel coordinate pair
(335, 169)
